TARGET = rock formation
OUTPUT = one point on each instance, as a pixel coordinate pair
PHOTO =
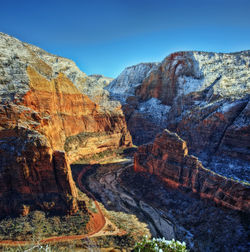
(203, 97)
(52, 114)
(168, 158)
(33, 175)
(144, 119)
(94, 88)
(42, 113)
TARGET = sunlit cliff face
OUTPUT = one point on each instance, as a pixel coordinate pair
(41, 108)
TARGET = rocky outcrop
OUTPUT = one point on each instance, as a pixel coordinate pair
(126, 83)
(203, 97)
(168, 158)
(34, 176)
(144, 119)
(94, 88)
(182, 73)
(41, 109)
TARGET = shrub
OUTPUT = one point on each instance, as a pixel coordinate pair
(160, 245)
(37, 225)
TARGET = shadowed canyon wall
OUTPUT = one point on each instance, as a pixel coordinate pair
(168, 158)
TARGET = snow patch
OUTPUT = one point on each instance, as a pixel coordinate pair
(127, 82)
(178, 69)
(231, 168)
(155, 110)
(188, 85)
(226, 107)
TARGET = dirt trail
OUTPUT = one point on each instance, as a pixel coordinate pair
(99, 221)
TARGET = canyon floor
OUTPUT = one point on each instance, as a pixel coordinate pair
(98, 228)
(169, 213)
(124, 206)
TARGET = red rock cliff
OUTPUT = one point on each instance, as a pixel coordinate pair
(41, 111)
(168, 158)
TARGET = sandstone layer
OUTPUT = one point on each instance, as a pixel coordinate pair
(168, 158)
(41, 108)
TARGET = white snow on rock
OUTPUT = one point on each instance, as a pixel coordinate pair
(188, 84)
(15, 56)
(155, 109)
(130, 78)
(60, 64)
(227, 106)
(94, 88)
(178, 69)
(13, 76)
(232, 67)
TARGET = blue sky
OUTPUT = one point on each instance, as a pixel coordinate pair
(105, 36)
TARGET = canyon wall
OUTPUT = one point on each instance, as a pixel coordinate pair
(203, 97)
(168, 158)
(42, 108)
(144, 119)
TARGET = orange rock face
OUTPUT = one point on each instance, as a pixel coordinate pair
(50, 112)
(38, 122)
(69, 111)
(168, 158)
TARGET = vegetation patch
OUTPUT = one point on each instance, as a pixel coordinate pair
(109, 241)
(106, 156)
(99, 156)
(67, 247)
(160, 245)
(38, 225)
(80, 139)
(135, 231)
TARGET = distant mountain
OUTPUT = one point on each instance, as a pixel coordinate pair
(202, 96)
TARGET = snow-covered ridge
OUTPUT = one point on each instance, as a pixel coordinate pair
(224, 78)
(233, 68)
(227, 74)
(130, 78)
(16, 55)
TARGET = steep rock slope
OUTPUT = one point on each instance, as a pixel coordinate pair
(204, 97)
(131, 77)
(94, 87)
(144, 119)
(42, 113)
(168, 158)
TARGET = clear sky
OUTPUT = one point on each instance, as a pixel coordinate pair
(105, 36)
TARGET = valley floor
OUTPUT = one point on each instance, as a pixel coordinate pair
(125, 205)
(101, 229)
(169, 213)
